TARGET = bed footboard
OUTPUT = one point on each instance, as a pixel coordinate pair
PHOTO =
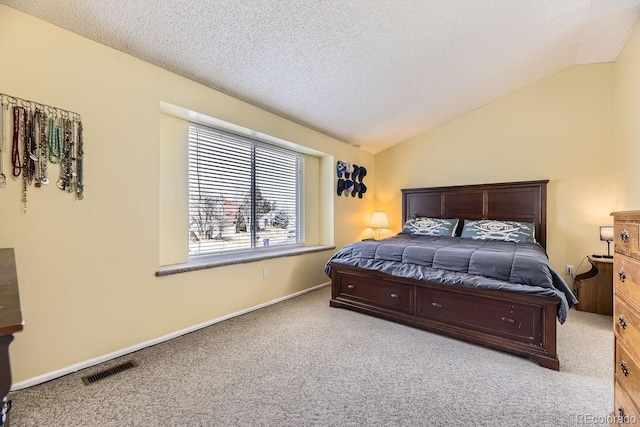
(521, 324)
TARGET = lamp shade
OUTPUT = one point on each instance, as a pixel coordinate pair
(379, 220)
(606, 233)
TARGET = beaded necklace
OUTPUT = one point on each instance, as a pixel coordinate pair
(29, 146)
(27, 171)
(54, 141)
(3, 177)
(15, 149)
(41, 148)
(66, 160)
(80, 165)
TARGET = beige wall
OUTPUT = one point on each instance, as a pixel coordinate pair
(86, 268)
(627, 125)
(560, 128)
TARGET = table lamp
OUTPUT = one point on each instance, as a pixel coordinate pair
(606, 235)
(379, 221)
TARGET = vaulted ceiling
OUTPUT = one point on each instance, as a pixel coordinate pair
(371, 73)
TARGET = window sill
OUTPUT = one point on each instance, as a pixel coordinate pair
(212, 261)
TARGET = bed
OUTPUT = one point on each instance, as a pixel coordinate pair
(502, 295)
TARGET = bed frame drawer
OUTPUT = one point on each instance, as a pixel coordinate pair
(474, 315)
(389, 295)
(504, 318)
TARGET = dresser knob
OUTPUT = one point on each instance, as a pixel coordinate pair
(508, 319)
(622, 275)
(351, 286)
(395, 296)
(624, 236)
(437, 305)
(623, 322)
(625, 369)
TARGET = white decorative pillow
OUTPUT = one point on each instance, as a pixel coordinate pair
(509, 231)
(423, 226)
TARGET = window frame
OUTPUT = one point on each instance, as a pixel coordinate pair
(255, 250)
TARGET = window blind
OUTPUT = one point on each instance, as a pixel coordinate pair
(243, 194)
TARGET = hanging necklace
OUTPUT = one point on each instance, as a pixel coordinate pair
(69, 155)
(80, 164)
(27, 173)
(15, 149)
(34, 154)
(66, 169)
(29, 145)
(3, 177)
(41, 146)
(44, 149)
(54, 141)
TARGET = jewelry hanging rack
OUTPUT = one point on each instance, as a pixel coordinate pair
(43, 134)
(59, 112)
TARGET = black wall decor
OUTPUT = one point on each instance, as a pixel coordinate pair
(350, 177)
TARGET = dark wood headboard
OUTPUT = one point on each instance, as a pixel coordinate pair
(524, 201)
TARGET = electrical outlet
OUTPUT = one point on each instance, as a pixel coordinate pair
(265, 273)
(569, 270)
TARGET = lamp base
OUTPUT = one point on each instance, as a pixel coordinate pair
(597, 256)
(607, 256)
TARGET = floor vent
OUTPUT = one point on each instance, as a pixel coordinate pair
(90, 379)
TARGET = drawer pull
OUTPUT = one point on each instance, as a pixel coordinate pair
(624, 368)
(621, 412)
(437, 305)
(351, 286)
(622, 275)
(624, 236)
(395, 296)
(508, 319)
(623, 322)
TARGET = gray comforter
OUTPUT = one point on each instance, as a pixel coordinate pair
(484, 264)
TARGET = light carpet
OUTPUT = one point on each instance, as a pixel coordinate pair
(303, 363)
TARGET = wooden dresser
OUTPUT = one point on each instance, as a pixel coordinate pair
(626, 317)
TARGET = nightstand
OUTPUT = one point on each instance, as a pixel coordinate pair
(594, 289)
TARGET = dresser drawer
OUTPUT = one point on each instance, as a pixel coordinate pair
(626, 280)
(502, 318)
(626, 325)
(394, 296)
(627, 373)
(625, 238)
(624, 411)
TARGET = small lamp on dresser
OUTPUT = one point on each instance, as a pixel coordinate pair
(379, 221)
(606, 235)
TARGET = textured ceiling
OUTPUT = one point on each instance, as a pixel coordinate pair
(371, 73)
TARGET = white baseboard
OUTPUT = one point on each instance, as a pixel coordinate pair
(92, 362)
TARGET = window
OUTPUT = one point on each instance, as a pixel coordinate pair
(243, 194)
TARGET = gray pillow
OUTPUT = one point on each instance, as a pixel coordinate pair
(508, 231)
(423, 226)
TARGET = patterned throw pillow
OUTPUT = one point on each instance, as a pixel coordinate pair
(509, 231)
(430, 226)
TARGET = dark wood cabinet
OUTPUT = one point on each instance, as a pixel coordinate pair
(10, 323)
(594, 289)
(523, 324)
